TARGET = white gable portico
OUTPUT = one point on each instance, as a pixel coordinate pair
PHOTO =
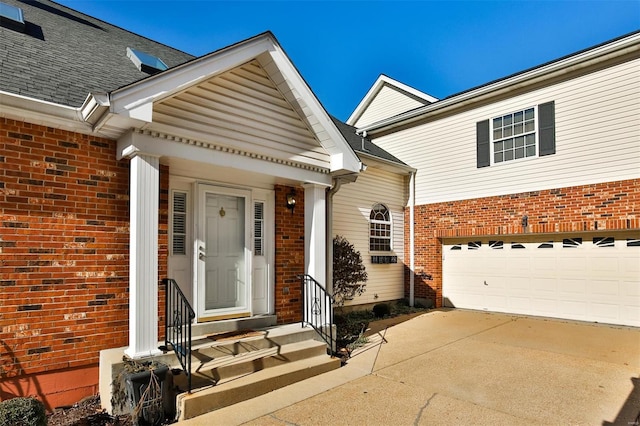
(229, 126)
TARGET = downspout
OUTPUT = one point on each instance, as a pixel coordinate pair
(336, 186)
(337, 183)
(412, 203)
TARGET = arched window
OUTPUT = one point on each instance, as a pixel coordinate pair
(380, 228)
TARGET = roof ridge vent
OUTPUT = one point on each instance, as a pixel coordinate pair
(146, 62)
(12, 17)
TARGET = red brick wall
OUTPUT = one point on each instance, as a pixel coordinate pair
(64, 254)
(289, 262)
(612, 206)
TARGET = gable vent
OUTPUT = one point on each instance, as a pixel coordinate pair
(11, 17)
(146, 62)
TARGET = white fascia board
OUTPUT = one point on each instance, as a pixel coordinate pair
(373, 92)
(534, 76)
(135, 143)
(343, 159)
(386, 164)
(415, 92)
(136, 100)
(35, 111)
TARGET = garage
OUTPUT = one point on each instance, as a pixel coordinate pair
(587, 277)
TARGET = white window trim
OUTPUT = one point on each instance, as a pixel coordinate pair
(536, 135)
(370, 221)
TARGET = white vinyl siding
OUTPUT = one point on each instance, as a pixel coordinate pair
(242, 109)
(351, 209)
(387, 103)
(597, 140)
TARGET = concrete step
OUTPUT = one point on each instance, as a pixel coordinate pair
(207, 347)
(255, 323)
(221, 369)
(243, 387)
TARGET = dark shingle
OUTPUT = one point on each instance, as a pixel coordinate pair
(363, 145)
(64, 55)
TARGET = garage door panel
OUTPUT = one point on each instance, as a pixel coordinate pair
(630, 290)
(573, 309)
(520, 304)
(543, 306)
(544, 286)
(631, 266)
(630, 315)
(495, 284)
(604, 265)
(571, 265)
(605, 312)
(465, 300)
(500, 302)
(520, 285)
(609, 289)
(545, 265)
(574, 289)
(593, 277)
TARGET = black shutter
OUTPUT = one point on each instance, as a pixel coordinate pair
(547, 128)
(482, 144)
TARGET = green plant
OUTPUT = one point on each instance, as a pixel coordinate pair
(381, 310)
(349, 273)
(22, 411)
(351, 326)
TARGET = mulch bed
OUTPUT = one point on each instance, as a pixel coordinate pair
(87, 412)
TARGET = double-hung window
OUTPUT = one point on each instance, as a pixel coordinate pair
(380, 228)
(528, 132)
(514, 135)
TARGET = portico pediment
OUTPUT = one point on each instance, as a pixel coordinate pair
(247, 97)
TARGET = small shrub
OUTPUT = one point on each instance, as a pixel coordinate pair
(23, 411)
(351, 326)
(349, 273)
(381, 310)
(420, 305)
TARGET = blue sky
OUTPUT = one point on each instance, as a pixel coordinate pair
(340, 48)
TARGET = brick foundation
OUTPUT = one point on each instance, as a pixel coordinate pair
(598, 207)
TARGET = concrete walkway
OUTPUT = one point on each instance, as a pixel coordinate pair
(466, 367)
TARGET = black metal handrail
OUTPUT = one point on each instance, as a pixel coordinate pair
(177, 325)
(317, 309)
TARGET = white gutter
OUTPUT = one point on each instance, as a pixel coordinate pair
(412, 252)
(616, 49)
(22, 108)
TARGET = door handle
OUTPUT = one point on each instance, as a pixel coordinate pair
(201, 254)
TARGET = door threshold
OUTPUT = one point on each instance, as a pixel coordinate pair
(236, 315)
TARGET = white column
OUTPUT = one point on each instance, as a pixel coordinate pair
(143, 256)
(315, 232)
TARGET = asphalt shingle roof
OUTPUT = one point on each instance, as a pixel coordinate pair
(64, 55)
(356, 142)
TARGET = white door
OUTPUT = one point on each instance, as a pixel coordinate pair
(589, 277)
(224, 261)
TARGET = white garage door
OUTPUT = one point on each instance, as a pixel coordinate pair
(580, 276)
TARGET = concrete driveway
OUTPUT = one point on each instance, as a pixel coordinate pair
(466, 367)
